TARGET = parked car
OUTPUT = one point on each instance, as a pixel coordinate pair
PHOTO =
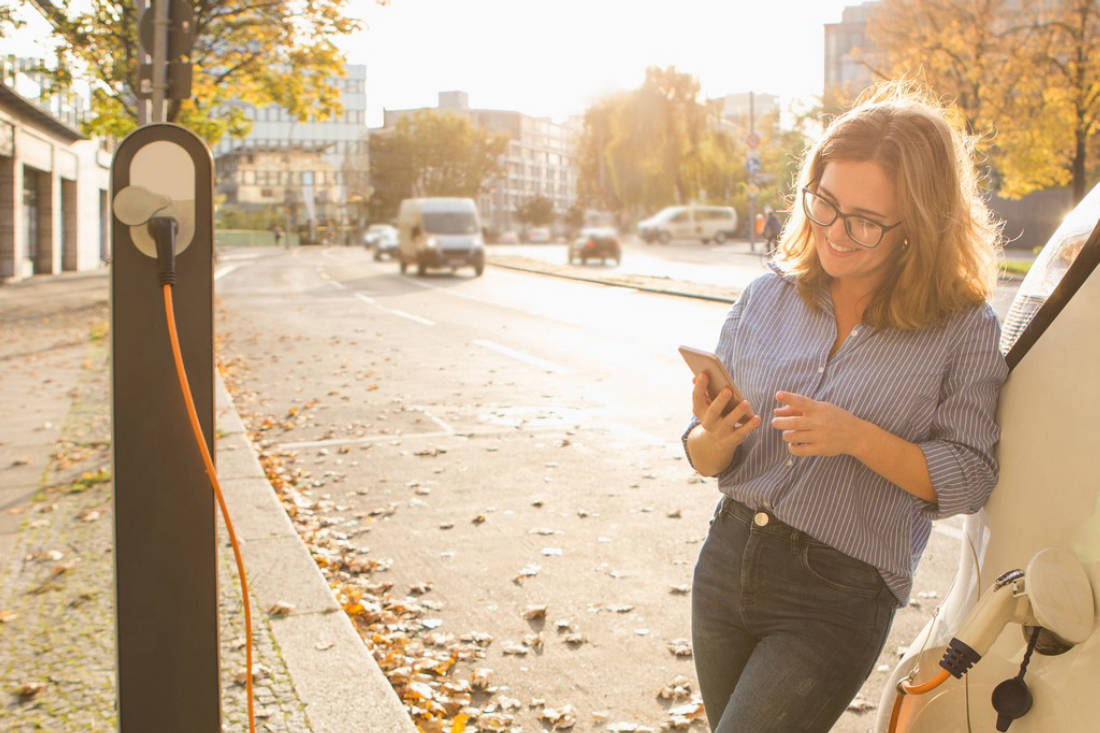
(538, 235)
(508, 238)
(592, 243)
(439, 232)
(1028, 572)
(705, 223)
(382, 238)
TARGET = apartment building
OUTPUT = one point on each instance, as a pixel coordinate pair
(540, 161)
(278, 147)
(845, 42)
(54, 180)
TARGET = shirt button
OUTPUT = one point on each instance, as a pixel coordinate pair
(790, 461)
(820, 370)
(760, 519)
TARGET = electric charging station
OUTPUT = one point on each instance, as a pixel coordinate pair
(165, 540)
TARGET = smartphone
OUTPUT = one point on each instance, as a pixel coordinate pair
(718, 377)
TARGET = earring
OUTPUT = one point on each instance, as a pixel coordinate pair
(905, 244)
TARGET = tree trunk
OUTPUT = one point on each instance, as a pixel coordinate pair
(1079, 157)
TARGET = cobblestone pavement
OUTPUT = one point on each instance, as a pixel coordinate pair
(57, 624)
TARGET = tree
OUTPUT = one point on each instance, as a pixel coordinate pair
(1023, 77)
(432, 154)
(277, 52)
(653, 146)
(537, 211)
(1067, 34)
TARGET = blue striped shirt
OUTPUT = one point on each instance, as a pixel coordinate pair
(936, 387)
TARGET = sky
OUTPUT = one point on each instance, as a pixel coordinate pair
(553, 59)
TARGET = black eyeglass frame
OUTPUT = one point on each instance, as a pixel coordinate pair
(847, 218)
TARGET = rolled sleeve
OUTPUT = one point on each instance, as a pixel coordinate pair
(961, 450)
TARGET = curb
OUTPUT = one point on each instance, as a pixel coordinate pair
(337, 679)
(677, 287)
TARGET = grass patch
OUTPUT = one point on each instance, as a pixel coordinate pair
(88, 479)
(1016, 267)
(99, 332)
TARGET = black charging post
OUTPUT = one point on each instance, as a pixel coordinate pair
(165, 541)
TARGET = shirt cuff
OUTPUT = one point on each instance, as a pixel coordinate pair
(949, 479)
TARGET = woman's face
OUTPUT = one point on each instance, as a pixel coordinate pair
(862, 188)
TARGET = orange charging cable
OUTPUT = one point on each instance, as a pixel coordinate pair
(185, 387)
(905, 689)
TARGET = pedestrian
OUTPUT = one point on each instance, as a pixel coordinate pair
(772, 228)
(869, 366)
(278, 233)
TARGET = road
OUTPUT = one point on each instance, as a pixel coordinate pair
(498, 444)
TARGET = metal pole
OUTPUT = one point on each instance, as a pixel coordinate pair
(142, 104)
(752, 178)
(160, 57)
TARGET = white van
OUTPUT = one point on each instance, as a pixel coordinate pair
(705, 223)
(439, 232)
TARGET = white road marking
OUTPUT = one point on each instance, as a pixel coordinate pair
(391, 311)
(520, 356)
(411, 317)
(231, 256)
(441, 423)
(224, 270)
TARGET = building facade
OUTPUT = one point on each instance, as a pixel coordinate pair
(54, 181)
(738, 108)
(338, 145)
(540, 161)
(845, 43)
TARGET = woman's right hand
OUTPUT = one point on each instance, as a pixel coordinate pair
(713, 443)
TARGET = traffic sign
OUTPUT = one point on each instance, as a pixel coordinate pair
(752, 190)
(752, 165)
(181, 29)
(752, 140)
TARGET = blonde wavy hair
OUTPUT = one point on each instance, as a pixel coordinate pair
(950, 262)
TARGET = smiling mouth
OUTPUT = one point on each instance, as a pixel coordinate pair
(840, 250)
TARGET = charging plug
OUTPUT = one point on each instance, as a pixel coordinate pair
(164, 230)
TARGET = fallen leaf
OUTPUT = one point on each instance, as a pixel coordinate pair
(680, 647)
(535, 612)
(29, 690)
(280, 608)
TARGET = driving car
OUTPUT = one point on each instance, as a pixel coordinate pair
(440, 232)
(538, 235)
(383, 239)
(593, 243)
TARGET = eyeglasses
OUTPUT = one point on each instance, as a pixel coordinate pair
(861, 230)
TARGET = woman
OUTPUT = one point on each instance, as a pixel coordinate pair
(870, 371)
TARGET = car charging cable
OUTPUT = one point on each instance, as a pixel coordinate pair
(163, 230)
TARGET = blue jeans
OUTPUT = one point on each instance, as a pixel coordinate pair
(785, 629)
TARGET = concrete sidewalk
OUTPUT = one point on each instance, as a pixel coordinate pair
(57, 623)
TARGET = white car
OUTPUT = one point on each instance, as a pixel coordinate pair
(382, 238)
(1016, 639)
(539, 235)
(680, 223)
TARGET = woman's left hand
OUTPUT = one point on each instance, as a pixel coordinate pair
(813, 428)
